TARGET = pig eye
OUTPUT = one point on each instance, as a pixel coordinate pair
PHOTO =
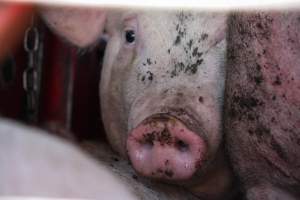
(130, 36)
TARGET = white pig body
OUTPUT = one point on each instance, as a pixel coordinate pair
(34, 164)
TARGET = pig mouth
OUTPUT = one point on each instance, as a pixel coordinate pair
(162, 147)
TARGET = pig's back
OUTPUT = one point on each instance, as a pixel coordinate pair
(263, 98)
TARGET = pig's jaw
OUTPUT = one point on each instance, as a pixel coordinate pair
(162, 147)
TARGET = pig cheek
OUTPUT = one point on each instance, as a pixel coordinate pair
(125, 58)
(208, 112)
(120, 69)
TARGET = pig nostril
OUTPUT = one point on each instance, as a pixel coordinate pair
(148, 140)
(148, 144)
(182, 146)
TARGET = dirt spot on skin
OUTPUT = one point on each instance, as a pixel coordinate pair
(150, 75)
(134, 176)
(178, 68)
(149, 61)
(244, 107)
(204, 36)
(198, 164)
(193, 68)
(201, 100)
(256, 75)
(277, 81)
(167, 162)
(250, 132)
(245, 102)
(273, 120)
(169, 173)
(258, 79)
(188, 69)
(146, 78)
(278, 149)
(115, 159)
(259, 25)
(250, 117)
(190, 43)
(196, 53)
(149, 138)
(177, 40)
(262, 131)
(163, 137)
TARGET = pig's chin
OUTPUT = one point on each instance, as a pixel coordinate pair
(162, 147)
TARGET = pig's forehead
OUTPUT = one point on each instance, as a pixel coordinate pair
(178, 27)
(181, 30)
(168, 21)
(177, 16)
(193, 22)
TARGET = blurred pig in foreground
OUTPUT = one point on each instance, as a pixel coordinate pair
(36, 164)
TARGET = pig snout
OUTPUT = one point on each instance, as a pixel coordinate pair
(162, 147)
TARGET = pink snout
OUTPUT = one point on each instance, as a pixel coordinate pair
(164, 148)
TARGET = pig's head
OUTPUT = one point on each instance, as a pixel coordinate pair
(162, 91)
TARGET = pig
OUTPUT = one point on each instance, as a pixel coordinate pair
(262, 103)
(37, 164)
(34, 163)
(161, 90)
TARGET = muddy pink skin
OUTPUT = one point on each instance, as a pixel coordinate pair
(262, 108)
(163, 147)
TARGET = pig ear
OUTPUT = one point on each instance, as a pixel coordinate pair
(80, 26)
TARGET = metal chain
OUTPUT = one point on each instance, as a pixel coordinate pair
(31, 74)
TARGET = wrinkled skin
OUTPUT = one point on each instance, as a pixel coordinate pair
(162, 92)
(263, 103)
(36, 164)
